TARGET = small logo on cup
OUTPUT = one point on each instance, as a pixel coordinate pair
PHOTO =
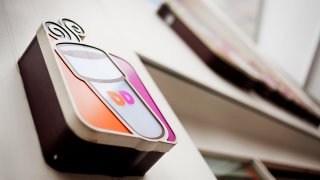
(121, 97)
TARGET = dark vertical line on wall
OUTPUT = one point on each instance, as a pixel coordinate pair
(258, 21)
(311, 72)
(312, 69)
(11, 43)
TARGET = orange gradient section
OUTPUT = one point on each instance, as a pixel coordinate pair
(90, 107)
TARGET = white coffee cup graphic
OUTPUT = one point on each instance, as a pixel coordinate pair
(108, 82)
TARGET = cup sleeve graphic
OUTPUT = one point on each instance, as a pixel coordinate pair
(107, 81)
(130, 107)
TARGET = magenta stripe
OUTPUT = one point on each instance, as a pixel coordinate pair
(137, 83)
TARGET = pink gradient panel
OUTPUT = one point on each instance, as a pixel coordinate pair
(137, 83)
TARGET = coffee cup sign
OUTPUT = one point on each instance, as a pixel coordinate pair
(103, 118)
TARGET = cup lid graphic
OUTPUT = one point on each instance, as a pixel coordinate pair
(107, 81)
(90, 63)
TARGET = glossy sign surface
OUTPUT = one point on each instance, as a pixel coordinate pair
(107, 82)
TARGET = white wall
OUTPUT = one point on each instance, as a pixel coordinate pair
(289, 34)
(219, 126)
(20, 154)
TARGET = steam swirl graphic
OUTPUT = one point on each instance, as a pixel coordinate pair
(74, 28)
(57, 31)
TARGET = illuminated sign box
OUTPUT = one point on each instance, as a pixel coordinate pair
(190, 22)
(91, 110)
